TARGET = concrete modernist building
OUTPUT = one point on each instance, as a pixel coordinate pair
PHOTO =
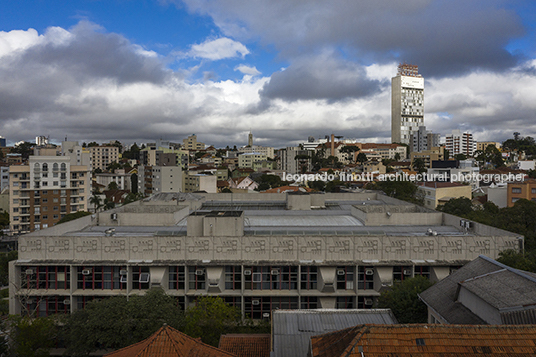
(259, 252)
(460, 143)
(407, 103)
(45, 190)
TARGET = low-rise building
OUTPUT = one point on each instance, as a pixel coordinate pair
(249, 159)
(521, 190)
(436, 193)
(483, 292)
(191, 143)
(200, 183)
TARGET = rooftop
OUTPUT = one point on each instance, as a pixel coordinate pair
(427, 341)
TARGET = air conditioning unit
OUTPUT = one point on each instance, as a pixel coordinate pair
(407, 271)
(266, 315)
(113, 216)
(30, 301)
(255, 302)
(200, 272)
(123, 279)
(66, 302)
(87, 271)
(30, 272)
(123, 272)
(247, 272)
(275, 272)
(340, 272)
(369, 302)
(369, 271)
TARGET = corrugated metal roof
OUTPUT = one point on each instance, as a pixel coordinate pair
(292, 329)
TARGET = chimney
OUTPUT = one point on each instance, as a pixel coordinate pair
(332, 144)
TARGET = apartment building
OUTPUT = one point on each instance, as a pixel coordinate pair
(460, 143)
(102, 156)
(290, 164)
(385, 151)
(249, 159)
(434, 154)
(200, 182)
(521, 190)
(265, 150)
(156, 179)
(191, 143)
(258, 252)
(45, 190)
(407, 103)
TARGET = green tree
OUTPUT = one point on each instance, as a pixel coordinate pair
(95, 200)
(116, 322)
(403, 190)
(25, 149)
(113, 186)
(404, 301)
(210, 318)
(350, 151)
(132, 197)
(32, 337)
(419, 165)
(460, 157)
(516, 260)
(460, 206)
(5, 258)
(73, 216)
(112, 166)
(4, 219)
(361, 157)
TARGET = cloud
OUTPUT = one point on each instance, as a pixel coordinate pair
(442, 36)
(322, 77)
(87, 84)
(248, 70)
(218, 49)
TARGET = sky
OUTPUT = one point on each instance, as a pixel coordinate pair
(137, 71)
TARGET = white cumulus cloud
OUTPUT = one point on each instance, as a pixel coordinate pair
(218, 49)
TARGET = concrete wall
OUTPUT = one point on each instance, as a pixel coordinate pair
(168, 215)
(298, 202)
(479, 228)
(376, 215)
(479, 307)
(327, 250)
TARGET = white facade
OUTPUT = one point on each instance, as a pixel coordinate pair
(460, 143)
(265, 150)
(248, 159)
(407, 103)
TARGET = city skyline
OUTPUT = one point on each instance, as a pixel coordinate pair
(139, 71)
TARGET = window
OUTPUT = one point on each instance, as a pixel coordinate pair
(196, 278)
(233, 277)
(309, 277)
(45, 277)
(177, 278)
(402, 272)
(140, 277)
(422, 270)
(365, 278)
(100, 278)
(271, 278)
(365, 302)
(345, 278)
(309, 302)
(516, 189)
(261, 307)
(345, 302)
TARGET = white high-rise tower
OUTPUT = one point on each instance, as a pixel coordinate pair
(407, 103)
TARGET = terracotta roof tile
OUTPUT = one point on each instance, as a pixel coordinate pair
(246, 345)
(427, 341)
(168, 342)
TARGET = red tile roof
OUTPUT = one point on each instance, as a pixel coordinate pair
(427, 341)
(288, 189)
(258, 345)
(168, 342)
(434, 184)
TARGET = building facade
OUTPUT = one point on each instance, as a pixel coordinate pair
(259, 252)
(45, 190)
(521, 190)
(156, 179)
(191, 143)
(102, 156)
(460, 143)
(407, 103)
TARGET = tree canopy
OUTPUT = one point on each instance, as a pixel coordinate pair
(403, 300)
(116, 322)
